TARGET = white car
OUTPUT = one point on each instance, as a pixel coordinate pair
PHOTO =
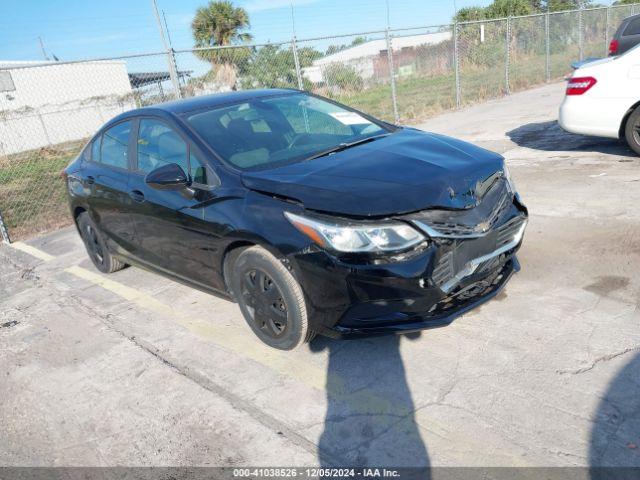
(603, 99)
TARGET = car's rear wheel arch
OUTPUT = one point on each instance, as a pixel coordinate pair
(96, 247)
(76, 214)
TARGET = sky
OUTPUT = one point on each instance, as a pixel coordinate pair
(83, 29)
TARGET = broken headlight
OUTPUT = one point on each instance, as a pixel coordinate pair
(355, 237)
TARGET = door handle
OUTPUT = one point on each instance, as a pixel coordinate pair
(137, 196)
(90, 180)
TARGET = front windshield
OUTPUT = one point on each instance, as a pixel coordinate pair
(271, 131)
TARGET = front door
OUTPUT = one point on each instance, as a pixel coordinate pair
(171, 233)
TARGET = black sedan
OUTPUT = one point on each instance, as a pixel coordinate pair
(312, 216)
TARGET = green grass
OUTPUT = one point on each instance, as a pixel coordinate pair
(32, 194)
(421, 97)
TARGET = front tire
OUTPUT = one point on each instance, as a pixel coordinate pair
(632, 131)
(270, 298)
(96, 247)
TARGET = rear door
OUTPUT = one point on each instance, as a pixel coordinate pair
(630, 35)
(106, 176)
(169, 227)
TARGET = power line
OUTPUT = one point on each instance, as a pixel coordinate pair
(44, 53)
(167, 28)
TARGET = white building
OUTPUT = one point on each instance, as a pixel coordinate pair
(44, 103)
(363, 57)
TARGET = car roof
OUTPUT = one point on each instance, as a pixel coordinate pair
(179, 107)
(626, 21)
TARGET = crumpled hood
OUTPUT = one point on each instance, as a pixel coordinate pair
(404, 172)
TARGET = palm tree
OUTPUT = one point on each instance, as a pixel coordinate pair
(221, 24)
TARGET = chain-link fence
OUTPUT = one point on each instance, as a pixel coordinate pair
(48, 110)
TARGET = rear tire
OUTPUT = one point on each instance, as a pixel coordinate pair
(96, 247)
(270, 299)
(632, 131)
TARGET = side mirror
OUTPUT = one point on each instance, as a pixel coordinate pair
(168, 177)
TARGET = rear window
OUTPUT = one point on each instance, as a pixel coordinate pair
(633, 28)
(114, 148)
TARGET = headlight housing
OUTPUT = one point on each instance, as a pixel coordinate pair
(355, 237)
(507, 177)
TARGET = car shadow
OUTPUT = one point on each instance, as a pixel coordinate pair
(550, 137)
(615, 435)
(370, 418)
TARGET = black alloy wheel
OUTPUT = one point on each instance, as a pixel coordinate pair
(93, 245)
(632, 131)
(269, 297)
(96, 248)
(265, 303)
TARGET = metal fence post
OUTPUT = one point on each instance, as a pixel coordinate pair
(547, 34)
(392, 75)
(507, 59)
(456, 65)
(4, 233)
(606, 32)
(296, 61)
(581, 32)
(173, 72)
(44, 129)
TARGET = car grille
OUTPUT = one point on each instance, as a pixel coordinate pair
(469, 223)
(462, 257)
(474, 240)
(461, 230)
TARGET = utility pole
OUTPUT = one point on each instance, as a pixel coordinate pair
(392, 70)
(44, 52)
(293, 20)
(173, 71)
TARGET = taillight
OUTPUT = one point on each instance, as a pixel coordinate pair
(613, 47)
(580, 85)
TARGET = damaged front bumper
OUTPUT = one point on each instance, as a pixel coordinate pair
(461, 268)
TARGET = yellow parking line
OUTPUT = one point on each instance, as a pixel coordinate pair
(233, 339)
(33, 251)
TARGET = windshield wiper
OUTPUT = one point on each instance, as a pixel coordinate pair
(346, 145)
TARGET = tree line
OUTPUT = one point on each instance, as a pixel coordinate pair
(510, 8)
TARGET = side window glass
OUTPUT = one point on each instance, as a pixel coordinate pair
(198, 171)
(159, 145)
(115, 146)
(633, 28)
(95, 149)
